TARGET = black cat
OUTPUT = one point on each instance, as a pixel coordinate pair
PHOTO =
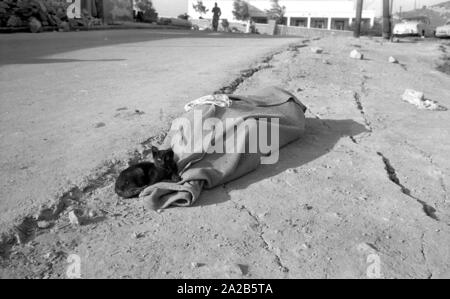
(137, 177)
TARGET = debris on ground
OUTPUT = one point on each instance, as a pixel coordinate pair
(196, 265)
(137, 235)
(99, 125)
(417, 98)
(74, 218)
(317, 50)
(43, 224)
(393, 60)
(355, 54)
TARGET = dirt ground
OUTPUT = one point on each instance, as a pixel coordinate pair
(368, 180)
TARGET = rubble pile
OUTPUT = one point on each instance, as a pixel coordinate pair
(40, 14)
(417, 98)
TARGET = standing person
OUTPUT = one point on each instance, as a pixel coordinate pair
(216, 15)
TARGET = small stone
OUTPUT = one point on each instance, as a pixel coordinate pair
(196, 265)
(317, 50)
(262, 215)
(292, 170)
(43, 224)
(305, 246)
(99, 125)
(92, 214)
(140, 149)
(355, 54)
(307, 207)
(137, 235)
(393, 60)
(73, 218)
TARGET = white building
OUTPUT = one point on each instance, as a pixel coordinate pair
(336, 15)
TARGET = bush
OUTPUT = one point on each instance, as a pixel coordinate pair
(147, 13)
(184, 16)
(164, 21)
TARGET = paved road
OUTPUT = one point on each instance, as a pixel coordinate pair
(71, 101)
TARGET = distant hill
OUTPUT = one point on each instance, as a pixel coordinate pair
(439, 14)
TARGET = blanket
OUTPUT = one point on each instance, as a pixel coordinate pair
(214, 145)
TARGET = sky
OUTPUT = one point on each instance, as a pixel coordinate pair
(177, 7)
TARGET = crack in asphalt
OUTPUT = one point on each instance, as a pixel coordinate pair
(261, 227)
(248, 73)
(260, 231)
(359, 105)
(392, 174)
(265, 63)
(424, 256)
(430, 160)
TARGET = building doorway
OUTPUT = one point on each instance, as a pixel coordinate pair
(320, 23)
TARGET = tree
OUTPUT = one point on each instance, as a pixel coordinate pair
(276, 12)
(148, 12)
(184, 16)
(241, 11)
(200, 8)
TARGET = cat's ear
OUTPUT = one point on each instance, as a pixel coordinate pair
(154, 151)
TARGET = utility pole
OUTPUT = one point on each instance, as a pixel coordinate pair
(386, 20)
(359, 8)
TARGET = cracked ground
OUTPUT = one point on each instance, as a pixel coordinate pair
(369, 176)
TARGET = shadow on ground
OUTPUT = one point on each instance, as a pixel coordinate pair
(320, 138)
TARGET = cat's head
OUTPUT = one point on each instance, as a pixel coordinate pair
(162, 158)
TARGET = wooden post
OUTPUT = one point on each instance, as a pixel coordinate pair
(359, 8)
(386, 20)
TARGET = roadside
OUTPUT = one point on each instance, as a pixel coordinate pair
(117, 26)
(368, 180)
